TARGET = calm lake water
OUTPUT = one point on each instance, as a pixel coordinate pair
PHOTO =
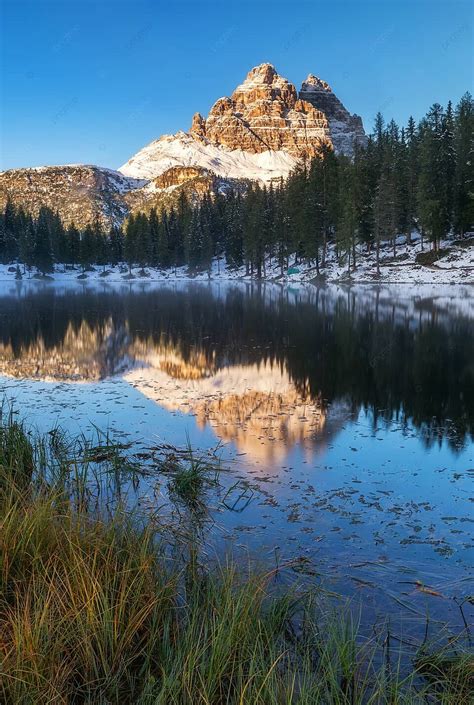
(348, 412)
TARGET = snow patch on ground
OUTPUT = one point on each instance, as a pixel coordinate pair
(455, 267)
(122, 183)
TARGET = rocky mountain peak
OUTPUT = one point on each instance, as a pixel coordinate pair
(260, 132)
(264, 83)
(263, 73)
(264, 114)
(313, 83)
(345, 129)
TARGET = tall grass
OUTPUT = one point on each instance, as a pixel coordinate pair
(93, 610)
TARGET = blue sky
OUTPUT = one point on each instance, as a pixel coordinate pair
(93, 81)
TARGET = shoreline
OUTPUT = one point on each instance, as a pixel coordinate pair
(453, 263)
(158, 276)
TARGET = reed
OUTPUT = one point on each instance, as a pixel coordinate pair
(93, 609)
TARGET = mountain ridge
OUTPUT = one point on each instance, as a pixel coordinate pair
(259, 133)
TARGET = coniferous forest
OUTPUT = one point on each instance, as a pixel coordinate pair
(416, 178)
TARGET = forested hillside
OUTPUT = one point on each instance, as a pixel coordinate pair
(419, 178)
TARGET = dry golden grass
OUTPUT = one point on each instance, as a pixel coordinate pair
(93, 610)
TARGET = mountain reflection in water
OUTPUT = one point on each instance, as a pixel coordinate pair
(266, 370)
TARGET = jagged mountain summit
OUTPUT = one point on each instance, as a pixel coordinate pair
(259, 133)
(264, 114)
(345, 129)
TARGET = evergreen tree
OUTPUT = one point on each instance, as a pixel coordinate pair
(177, 227)
(26, 243)
(101, 248)
(130, 243)
(8, 240)
(98, 243)
(175, 235)
(252, 229)
(42, 254)
(164, 253)
(154, 235)
(193, 240)
(73, 245)
(143, 245)
(87, 249)
(448, 163)
(58, 238)
(115, 245)
(295, 227)
(315, 212)
(363, 189)
(432, 184)
(463, 189)
(379, 139)
(412, 176)
(347, 223)
(207, 234)
(385, 220)
(233, 246)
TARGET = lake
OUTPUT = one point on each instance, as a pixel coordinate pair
(346, 413)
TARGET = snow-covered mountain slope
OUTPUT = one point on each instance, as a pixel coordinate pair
(183, 150)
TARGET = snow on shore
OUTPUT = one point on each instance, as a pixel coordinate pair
(456, 266)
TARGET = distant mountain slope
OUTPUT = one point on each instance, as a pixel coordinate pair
(80, 193)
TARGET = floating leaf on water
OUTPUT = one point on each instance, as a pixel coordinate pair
(427, 590)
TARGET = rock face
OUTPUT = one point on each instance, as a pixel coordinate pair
(176, 175)
(264, 113)
(164, 191)
(260, 133)
(345, 129)
(79, 193)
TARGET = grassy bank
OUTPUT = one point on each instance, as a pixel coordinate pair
(95, 607)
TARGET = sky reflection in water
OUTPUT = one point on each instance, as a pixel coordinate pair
(350, 412)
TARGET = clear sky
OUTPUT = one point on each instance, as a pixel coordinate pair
(92, 81)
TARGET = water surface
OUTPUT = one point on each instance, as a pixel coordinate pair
(348, 411)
